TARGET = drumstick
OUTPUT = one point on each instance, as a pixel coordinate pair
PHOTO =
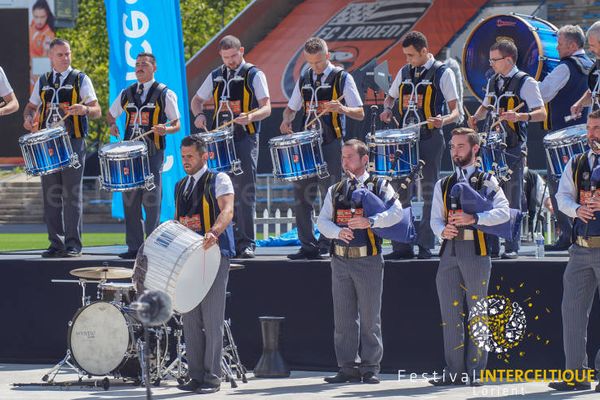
(226, 124)
(68, 114)
(467, 111)
(396, 121)
(422, 123)
(495, 124)
(319, 115)
(152, 130)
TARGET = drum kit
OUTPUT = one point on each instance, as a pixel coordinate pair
(106, 336)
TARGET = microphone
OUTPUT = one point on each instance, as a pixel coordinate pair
(153, 307)
(374, 110)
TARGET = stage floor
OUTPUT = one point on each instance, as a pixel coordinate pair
(301, 384)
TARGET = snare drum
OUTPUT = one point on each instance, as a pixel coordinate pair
(124, 166)
(562, 145)
(298, 156)
(177, 264)
(47, 151)
(221, 151)
(119, 292)
(492, 158)
(393, 152)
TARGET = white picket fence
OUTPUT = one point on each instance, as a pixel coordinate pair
(274, 225)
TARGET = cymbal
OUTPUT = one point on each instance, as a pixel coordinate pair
(102, 272)
(235, 267)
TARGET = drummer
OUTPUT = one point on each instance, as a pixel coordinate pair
(508, 78)
(560, 88)
(204, 203)
(248, 93)
(320, 72)
(8, 101)
(422, 66)
(62, 190)
(143, 103)
(593, 37)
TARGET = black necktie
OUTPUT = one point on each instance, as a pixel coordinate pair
(230, 74)
(56, 81)
(419, 72)
(595, 163)
(319, 80)
(190, 186)
(138, 93)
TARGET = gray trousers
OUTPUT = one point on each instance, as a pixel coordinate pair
(305, 193)
(244, 185)
(63, 200)
(564, 222)
(134, 200)
(203, 330)
(430, 151)
(580, 282)
(461, 267)
(357, 286)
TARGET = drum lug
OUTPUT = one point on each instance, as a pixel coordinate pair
(75, 161)
(236, 167)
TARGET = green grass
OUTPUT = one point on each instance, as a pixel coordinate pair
(36, 241)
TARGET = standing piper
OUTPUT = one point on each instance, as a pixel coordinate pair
(432, 83)
(591, 97)
(63, 91)
(510, 87)
(465, 265)
(147, 105)
(328, 83)
(8, 101)
(356, 266)
(245, 89)
(578, 199)
(559, 89)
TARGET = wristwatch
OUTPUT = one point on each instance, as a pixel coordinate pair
(371, 221)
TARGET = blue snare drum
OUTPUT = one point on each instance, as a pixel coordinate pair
(393, 152)
(124, 166)
(47, 151)
(563, 144)
(535, 38)
(492, 158)
(221, 151)
(298, 156)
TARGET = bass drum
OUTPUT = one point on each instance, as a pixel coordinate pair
(535, 39)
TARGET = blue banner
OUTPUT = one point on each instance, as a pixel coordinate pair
(153, 26)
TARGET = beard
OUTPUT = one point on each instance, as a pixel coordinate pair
(464, 161)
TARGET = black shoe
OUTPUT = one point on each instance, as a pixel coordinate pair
(128, 255)
(494, 256)
(246, 253)
(305, 255)
(207, 388)
(563, 386)
(597, 388)
(424, 254)
(72, 252)
(323, 251)
(370, 377)
(557, 247)
(510, 255)
(191, 386)
(341, 377)
(53, 253)
(476, 382)
(399, 255)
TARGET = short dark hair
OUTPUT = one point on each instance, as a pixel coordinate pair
(229, 42)
(315, 45)
(358, 145)
(149, 55)
(507, 48)
(415, 39)
(594, 114)
(195, 140)
(59, 42)
(472, 136)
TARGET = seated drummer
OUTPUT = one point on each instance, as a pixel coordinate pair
(204, 203)
(147, 104)
(320, 72)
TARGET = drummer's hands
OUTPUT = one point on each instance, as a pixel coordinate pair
(437, 121)
(286, 127)
(243, 119)
(510, 116)
(209, 239)
(346, 235)
(386, 116)
(576, 109)
(358, 223)
(335, 107)
(28, 123)
(77, 109)
(472, 122)
(585, 213)
(160, 129)
(200, 121)
(449, 232)
(114, 130)
(461, 219)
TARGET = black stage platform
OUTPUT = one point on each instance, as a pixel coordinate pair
(36, 311)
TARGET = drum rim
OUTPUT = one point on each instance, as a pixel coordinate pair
(52, 133)
(547, 138)
(104, 153)
(294, 138)
(410, 135)
(223, 133)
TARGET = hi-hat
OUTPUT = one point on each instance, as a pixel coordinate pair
(102, 272)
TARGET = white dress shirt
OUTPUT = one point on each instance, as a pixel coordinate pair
(556, 80)
(497, 215)
(566, 197)
(5, 88)
(530, 91)
(447, 82)
(351, 95)
(383, 219)
(171, 109)
(223, 183)
(86, 89)
(259, 84)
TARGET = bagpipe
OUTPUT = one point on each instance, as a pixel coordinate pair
(594, 183)
(474, 201)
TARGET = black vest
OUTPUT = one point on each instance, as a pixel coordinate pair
(516, 132)
(592, 79)
(76, 125)
(582, 179)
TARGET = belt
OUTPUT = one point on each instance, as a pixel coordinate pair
(350, 251)
(592, 242)
(465, 234)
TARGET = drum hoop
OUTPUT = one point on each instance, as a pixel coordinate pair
(216, 136)
(43, 138)
(284, 141)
